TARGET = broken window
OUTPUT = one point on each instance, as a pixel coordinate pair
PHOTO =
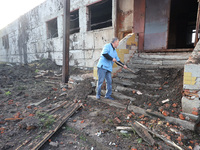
(100, 15)
(74, 22)
(52, 28)
(5, 41)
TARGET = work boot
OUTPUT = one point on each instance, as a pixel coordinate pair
(109, 98)
(98, 97)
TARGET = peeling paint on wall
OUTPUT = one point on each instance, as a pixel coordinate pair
(28, 35)
(23, 38)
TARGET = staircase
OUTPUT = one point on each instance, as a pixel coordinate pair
(158, 76)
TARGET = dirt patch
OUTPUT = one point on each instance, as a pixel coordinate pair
(94, 125)
(82, 90)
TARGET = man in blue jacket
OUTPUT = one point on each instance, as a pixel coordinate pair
(105, 65)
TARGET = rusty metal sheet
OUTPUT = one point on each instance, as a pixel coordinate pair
(156, 24)
(139, 21)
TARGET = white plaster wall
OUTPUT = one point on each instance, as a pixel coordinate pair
(85, 46)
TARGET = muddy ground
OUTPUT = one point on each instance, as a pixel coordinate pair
(91, 127)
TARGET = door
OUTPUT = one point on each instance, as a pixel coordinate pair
(156, 24)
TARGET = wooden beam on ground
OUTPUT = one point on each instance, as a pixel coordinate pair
(52, 132)
(143, 133)
(158, 135)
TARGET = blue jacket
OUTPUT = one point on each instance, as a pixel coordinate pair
(105, 63)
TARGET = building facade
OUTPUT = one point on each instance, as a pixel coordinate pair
(38, 34)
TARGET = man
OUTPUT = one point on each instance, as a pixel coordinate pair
(105, 64)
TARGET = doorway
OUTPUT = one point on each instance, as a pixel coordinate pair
(183, 15)
(167, 25)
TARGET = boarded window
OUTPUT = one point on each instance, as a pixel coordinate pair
(5, 41)
(74, 22)
(100, 15)
(52, 28)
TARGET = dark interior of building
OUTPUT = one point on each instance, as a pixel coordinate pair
(100, 15)
(52, 27)
(182, 24)
(74, 22)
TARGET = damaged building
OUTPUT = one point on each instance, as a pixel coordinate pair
(142, 26)
(160, 25)
(39, 33)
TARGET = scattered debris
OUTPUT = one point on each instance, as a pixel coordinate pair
(123, 132)
(98, 133)
(38, 103)
(54, 144)
(139, 93)
(112, 144)
(124, 128)
(165, 101)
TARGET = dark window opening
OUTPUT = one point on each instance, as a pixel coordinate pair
(5, 41)
(52, 28)
(74, 22)
(100, 15)
(182, 24)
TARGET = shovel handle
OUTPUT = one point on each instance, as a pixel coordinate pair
(123, 66)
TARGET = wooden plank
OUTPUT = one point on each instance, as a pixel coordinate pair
(52, 132)
(143, 133)
(159, 136)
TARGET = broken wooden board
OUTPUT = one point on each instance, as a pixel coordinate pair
(160, 136)
(63, 115)
(61, 122)
(143, 133)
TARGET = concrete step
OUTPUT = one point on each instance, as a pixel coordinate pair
(158, 62)
(127, 71)
(143, 66)
(125, 89)
(174, 56)
(120, 96)
(173, 62)
(130, 83)
(146, 61)
(127, 75)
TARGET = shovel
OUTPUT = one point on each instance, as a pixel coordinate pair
(123, 66)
